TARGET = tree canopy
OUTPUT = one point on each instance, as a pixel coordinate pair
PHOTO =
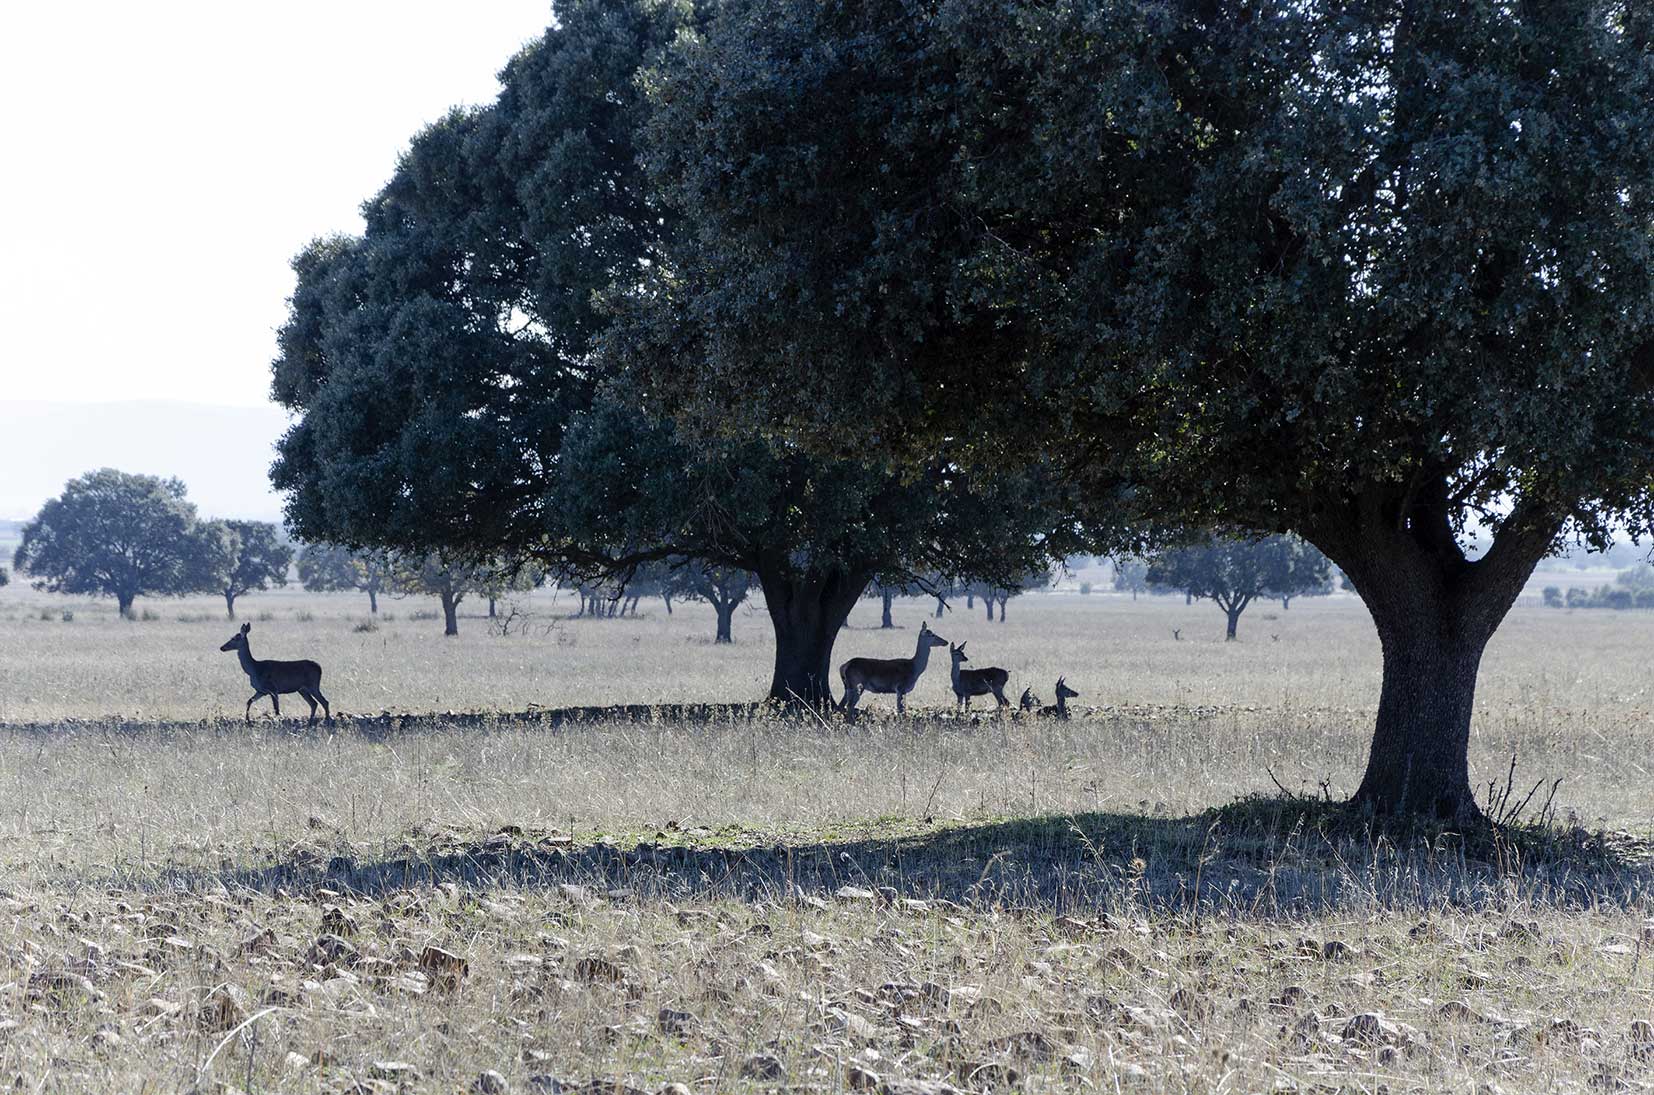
(330, 567)
(1377, 273)
(451, 400)
(112, 534)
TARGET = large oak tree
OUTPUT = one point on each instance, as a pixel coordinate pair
(451, 400)
(1379, 273)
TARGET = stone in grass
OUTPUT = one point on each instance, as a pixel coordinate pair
(1642, 1039)
(394, 1071)
(862, 1079)
(338, 922)
(675, 1022)
(444, 968)
(763, 1066)
(489, 1083)
(855, 893)
(295, 1062)
(223, 1009)
(330, 949)
(1370, 1028)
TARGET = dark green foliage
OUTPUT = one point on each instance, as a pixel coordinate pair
(260, 560)
(1233, 572)
(1373, 273)
(451, 403)
(123, 536)
(1553, 597)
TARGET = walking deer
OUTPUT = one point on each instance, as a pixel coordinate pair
(1059, 710)
(887, 675)
(272, 678)
(976, 682)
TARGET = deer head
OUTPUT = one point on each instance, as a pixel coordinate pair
(1064, 691)
(1029, 701)
(927, 637)
(958, 652)
(238, 641)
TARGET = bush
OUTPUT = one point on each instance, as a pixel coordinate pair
(1645, 598)
(1618, 599)
(1085, 589)
(1578, 598)
(68, 617)
(366, 627)
(1553, 597)
(303, 617)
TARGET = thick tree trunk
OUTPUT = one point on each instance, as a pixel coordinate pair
(373, 601)
(807, 613)
(941, 605)
(450, 614)
(970, 599)
(1002, 603)
(1434, 610)
(490, 608)
(726, 613)
(229, 602)
(667, 597)
(1234, 614)
(1419, 762)
(1286, 603)
(989, 601)
(887, 623)
(1188, 598)
(123, 603)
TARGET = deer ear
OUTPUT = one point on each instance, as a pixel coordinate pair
(962, 646)
(246, 628)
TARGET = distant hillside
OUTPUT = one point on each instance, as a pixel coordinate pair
(222, 453)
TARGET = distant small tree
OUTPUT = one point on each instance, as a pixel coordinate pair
(260, 560)
(1578, 598)
(4, 577)
(1619, 599)
(1234, 572)
(327, 568)
(1553, 597)
(449, 582)
(1645, 598)
(112, 534)
(1638, 577)
(725, 588)
(1131, 575)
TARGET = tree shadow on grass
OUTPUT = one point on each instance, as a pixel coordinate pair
(1259, 858)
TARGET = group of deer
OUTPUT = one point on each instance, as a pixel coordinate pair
(880, 675)
(899, 675)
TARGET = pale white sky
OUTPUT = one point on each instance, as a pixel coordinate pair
(163, 161)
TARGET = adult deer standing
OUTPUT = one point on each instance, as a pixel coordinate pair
(887, 675)
(273, 678)
(976, 682)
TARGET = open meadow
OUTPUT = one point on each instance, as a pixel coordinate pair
(463, 884)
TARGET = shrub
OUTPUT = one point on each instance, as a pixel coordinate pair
(303, 617)
(1553, 597)
(366, 627)
(1085, 589)
(68, 617)
(1578, 598)
(1645, 598)
(1619, 599)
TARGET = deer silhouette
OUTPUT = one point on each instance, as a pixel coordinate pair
(887, 675)
(976, 682)
(273, 678)
(1029, 701)
(1059, 710)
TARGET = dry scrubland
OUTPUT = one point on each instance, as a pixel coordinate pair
(732, 903)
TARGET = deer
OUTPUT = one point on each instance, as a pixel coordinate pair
(1029, 701)
(1059, 710)
(976, 682)
(887, 675)
(273, 678)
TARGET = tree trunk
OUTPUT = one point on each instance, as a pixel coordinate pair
(970, 599)
(887, 622)
(726, 613)
(1002, 603)
(123, 602)
(807, 613)
(667, 597)
(229, 602)
(989, 601)
(1188, 598)
(490, 608)
(1286, 603)
(373, 601)
(940, 606)
(1434, 610)
(1419, 762)
(1234, 614)
(450, 614)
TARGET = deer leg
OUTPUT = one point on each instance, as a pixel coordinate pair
(255, 696)
(900, 709)
(999, 694)
(311, 700)
(275, 704)
(327, 712)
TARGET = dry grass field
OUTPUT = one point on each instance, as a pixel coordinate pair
(440, 894)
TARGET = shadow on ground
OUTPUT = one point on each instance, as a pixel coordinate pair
(1267, 858)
